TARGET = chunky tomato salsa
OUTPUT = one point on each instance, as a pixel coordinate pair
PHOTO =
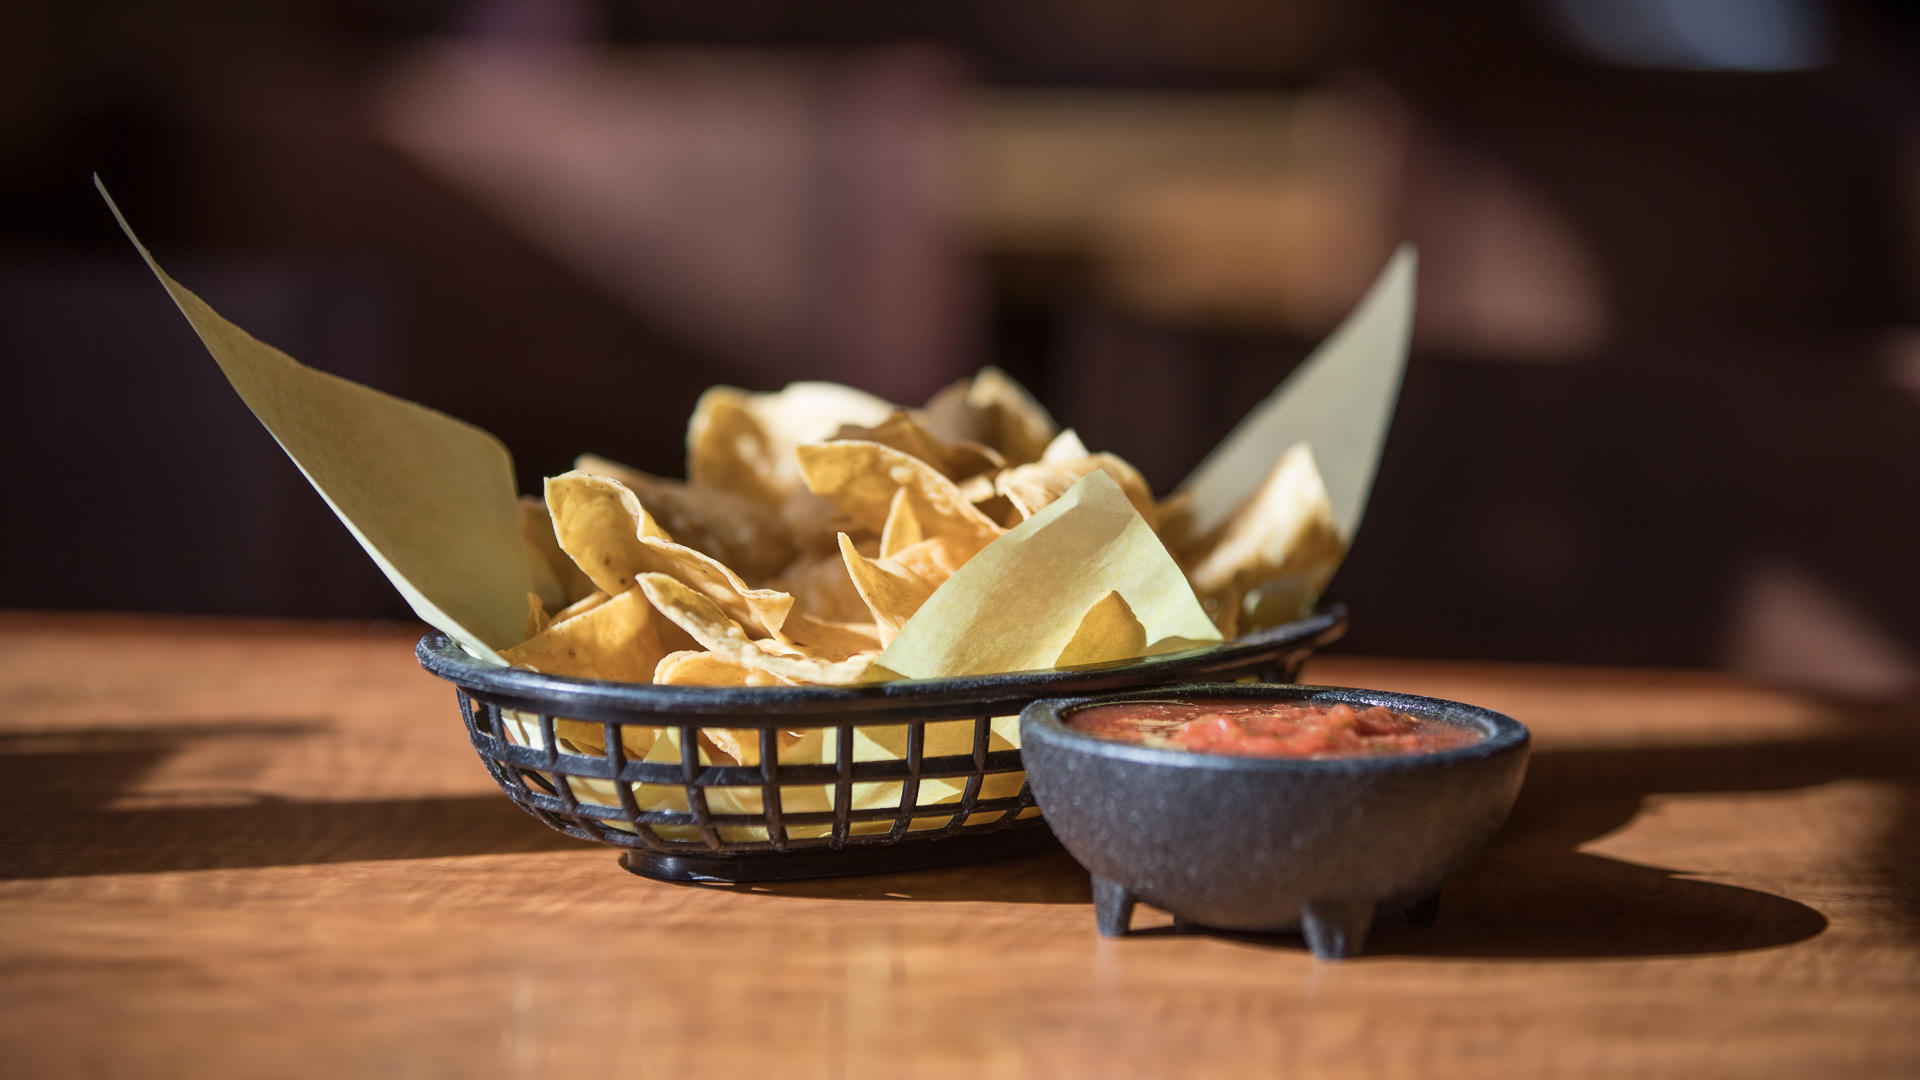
(1265, 729)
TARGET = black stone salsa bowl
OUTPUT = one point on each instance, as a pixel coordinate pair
(1271, 844)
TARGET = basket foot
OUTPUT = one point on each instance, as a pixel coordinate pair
(1112, 907)
(1336, 929)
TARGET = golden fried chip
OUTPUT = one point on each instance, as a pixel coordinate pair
(598, 523)
(815, 524)
(1107, 632)
(1017, 604)
(1176, 523)
(956, 460)
(536, 615)
(557, 581)
(695, 668)
(891, 593)
(586, 603)
(862, 477)
(1031, 488)
(993, 409)
(617, 640)
(743, 442)
(821, 589)
(1065, 446)
(740, 532)
(602, 526)
(829, 639)
(902, 526)
(1269, 562)
(978, 489)
(728, 450)
(934, 559)
(706, 623)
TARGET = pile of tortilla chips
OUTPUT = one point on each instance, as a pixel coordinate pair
(824, 536)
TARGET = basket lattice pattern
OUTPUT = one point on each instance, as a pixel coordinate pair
(806, 786)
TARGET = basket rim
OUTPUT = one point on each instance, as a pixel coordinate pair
(441, 656)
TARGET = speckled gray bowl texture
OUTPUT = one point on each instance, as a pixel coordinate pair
(1272, 844)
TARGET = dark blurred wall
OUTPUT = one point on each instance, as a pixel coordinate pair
(1662, 407)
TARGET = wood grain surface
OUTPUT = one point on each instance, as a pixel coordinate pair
(240, 848)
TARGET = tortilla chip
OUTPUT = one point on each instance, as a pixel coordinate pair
(598, 523)
(1275, 554)
(602, 526)
(706, 623)
(1106, 633)
(617, 640)
(902, 526)
(978, 489)
(728, 450)
(1017, 604)
(862, 477)
(536, 615)
(829, 639)
(956, 460)
(696, 668)
(934, 559)
(1033, 487)
(743, 442)
(891, 593)
(815, 524)
(555, 578)
(740, 532)
(821, 589)
(1175, 513)
(991, 408)
(1065, 446)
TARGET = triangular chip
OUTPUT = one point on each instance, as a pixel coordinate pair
(1030, 488)
(586, 603)
(1017, 604)
(993, 409)
(829, 639)
(956, 460)
(603, 528)
(891, 593)
(618, 640)
(1065, 446)
(555, 578)
(537, 619)
(821, 589)
(743, 442)
(1106, 633)
(707, 624)
(1274, 556)
(862, 477)
(903, 525)
(695, 668)
(740, 532)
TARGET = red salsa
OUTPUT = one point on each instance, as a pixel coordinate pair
(1261, 729)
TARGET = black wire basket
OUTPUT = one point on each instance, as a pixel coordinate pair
(819, 781)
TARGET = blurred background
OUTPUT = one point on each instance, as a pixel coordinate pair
(1663, 406)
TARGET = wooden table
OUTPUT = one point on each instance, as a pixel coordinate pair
(236, 848)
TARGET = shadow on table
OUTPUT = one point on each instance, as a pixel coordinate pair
(1049, 877)
(66, 811)
(1534, 893)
